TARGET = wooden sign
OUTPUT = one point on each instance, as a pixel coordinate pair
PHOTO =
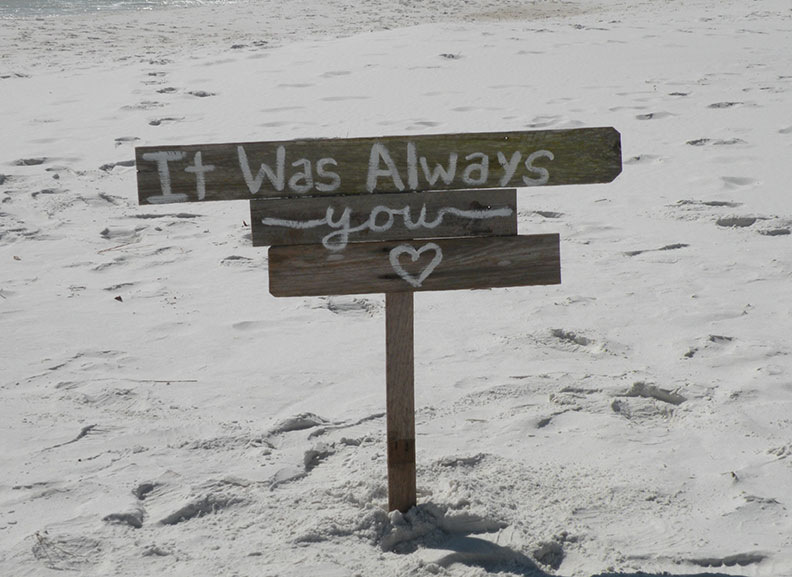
(320, 167)
(395, 266)
(336, 227)
(336, 221)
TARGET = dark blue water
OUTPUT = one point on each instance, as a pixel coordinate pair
(26, 8)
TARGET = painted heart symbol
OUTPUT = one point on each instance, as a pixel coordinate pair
(415, 255)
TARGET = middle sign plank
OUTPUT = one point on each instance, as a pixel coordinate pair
(336, 221)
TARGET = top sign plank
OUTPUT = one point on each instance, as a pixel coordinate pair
(322, 167)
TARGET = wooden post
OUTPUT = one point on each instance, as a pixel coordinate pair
(400, 400)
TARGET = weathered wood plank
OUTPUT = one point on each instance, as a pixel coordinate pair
(335, 221)
(400, 400)
(399, 266)
(322, 167)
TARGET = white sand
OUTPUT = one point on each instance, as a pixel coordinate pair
(162, 414)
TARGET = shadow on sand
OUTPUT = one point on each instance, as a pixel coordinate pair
(445, 538)
(495, 558)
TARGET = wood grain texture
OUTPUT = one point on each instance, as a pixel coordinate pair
(268, 217)
(467, 263)
(322, 167)
(400, 400)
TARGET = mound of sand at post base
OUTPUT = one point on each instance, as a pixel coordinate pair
(163, 414)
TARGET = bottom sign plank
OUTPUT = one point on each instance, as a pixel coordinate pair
(415, 265)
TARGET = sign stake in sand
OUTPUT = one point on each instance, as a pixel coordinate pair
(354, 216)
(400, 400)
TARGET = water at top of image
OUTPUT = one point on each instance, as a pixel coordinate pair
(47, 8)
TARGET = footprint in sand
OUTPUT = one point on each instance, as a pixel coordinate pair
(144, 105)
(160, 121)
(47, 191)
(544, 121)
(736, 221)
(547, 214)
(725, 104)
(123, 233)
(352, 306)
(30, 161)
(776, 232)
(675, 246)
(344, 98)
(111, 165)
(619, 108)
(733, 182)
(644, 159)
(713, 203)
(717, 142)
(298, 422)
(121, 140)
(653, 116)
(250, 326)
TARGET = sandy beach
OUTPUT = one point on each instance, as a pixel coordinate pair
(162, 414)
